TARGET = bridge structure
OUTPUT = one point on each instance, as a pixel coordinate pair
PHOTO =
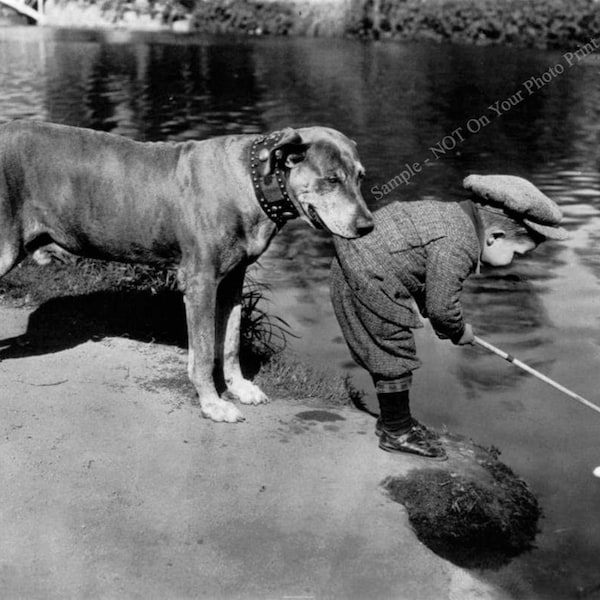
(33, 9)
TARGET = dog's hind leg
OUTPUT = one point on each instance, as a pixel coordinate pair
(11, 243)
(9, 257)
(229, 310)
(200, 294)
(11, 250)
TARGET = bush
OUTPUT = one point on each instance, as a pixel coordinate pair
(537, 23)
(243, 17)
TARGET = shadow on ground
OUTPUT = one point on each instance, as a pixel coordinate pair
(65, 322)
(68, 321)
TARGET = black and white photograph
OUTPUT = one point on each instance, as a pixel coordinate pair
(300, 299)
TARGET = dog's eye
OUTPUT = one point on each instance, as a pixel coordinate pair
(361, 176)
(333, 179)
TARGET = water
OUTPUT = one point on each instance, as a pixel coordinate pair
(397, 102)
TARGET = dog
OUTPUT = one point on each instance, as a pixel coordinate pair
(208, 208)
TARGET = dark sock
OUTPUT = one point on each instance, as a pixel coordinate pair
(394, 411)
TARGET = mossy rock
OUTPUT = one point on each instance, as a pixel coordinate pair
(472, 510)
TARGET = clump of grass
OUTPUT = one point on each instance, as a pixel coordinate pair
(476, 522)
(262, 335)
(286, 376)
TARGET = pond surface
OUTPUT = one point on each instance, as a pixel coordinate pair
(403, 104)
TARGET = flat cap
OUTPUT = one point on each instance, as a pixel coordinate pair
(520, 197)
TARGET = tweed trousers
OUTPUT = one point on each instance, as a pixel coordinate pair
(387, 350)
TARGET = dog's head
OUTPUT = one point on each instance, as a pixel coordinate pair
(323, 174)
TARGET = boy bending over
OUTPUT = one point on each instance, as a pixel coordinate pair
(420, 253)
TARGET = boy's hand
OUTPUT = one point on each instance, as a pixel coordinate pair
(467, 337)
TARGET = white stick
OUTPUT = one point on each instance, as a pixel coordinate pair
(524, 367)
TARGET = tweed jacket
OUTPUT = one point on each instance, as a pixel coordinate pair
(421, 251)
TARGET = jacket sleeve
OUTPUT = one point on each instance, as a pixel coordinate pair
(448, 265)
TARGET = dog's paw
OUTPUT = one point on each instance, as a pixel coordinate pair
(247, 393)
(220, 411)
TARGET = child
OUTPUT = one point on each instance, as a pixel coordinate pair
(421, 252)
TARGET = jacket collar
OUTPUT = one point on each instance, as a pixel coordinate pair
(468, 206)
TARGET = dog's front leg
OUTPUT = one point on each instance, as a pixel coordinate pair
(229, 310)
(200, 294)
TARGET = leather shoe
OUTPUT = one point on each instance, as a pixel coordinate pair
(417, 440)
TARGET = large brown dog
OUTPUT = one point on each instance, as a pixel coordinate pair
(209, 208)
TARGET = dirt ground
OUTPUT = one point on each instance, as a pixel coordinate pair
(114, 487)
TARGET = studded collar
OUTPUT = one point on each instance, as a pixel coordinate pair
(271, 189)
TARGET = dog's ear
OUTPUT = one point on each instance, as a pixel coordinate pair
(287, 152)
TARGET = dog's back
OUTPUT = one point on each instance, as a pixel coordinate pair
(91, 192)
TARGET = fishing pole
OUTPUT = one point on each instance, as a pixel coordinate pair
(521, 365)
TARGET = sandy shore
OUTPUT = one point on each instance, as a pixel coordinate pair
(114, 487)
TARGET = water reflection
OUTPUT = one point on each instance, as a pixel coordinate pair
(154, 92)
(489, 302)
(397, 102)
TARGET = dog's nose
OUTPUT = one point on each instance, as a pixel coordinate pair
(364, 225)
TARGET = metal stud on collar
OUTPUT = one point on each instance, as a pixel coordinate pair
(271, 191)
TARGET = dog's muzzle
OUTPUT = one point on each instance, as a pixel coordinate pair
(312, 214)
